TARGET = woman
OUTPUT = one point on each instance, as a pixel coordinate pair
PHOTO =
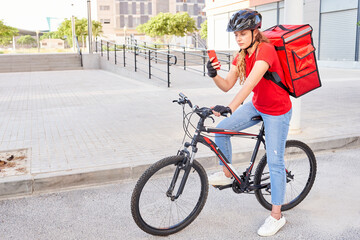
(269, 101)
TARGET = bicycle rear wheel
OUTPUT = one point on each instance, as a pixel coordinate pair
(300, 164)
(155, 210)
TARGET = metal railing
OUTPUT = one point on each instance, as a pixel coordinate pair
(189, 56)
(79, 50)
(132, 55)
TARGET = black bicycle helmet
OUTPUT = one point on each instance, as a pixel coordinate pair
(246, 19)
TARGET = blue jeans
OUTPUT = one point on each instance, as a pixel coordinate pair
(276, 130)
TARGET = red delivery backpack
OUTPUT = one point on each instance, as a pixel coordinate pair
(294, 46)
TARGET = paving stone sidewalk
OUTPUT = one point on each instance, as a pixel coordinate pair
(91, 126)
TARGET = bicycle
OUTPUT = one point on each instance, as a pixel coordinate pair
(162, 205)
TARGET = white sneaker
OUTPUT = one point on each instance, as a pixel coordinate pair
(271, 226)
(219, 179)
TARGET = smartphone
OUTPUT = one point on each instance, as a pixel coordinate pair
(211, 54)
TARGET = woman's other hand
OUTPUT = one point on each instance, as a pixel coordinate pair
(219, 110)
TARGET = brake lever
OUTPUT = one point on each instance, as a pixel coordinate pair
(175, 101)
(212, 119)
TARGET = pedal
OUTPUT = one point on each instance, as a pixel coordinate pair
(222, 187)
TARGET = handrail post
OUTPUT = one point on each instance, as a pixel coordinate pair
(101, 50)
(135, 56)
(124, 54)
(168, 69)
(155, 53)
(149, 65)
(107, 50)
(145, 49)
(229, 62)
(96, 43)
(184, 59)
(115, 53)
(204, 62)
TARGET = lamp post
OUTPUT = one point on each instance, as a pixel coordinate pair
(73, 27)
(89, 26)
(37, 40)
(125, 34)
(293, 14)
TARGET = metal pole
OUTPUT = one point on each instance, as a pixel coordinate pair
(293, 14)
(107, 50)
(101, 50)
(124, 54)
(89, 26)
(115, 53)
(229, 62)
(149, 65)
(37, 40)
(145, 49)
(96, 43)
(357, 40)
(155, 53)
(184, 59)
(135, 57)
(204, 61)
(168, 69)
(73, 30)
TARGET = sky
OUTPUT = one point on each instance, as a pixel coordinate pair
(32, 14)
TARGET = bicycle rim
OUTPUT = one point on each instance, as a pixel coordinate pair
(300, 175)
(159, 214)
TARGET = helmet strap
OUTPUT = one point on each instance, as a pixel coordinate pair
(252, 41)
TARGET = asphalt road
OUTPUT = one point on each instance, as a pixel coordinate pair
(331, 211)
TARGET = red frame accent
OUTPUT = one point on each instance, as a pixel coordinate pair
(224, 131)
(211, 145)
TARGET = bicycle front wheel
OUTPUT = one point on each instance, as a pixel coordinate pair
(300, 165)
(153, 204)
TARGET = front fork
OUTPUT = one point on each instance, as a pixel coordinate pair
(184, 165)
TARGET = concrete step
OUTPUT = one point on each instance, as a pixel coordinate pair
(39, 62)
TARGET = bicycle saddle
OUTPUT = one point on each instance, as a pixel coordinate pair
(257, 118)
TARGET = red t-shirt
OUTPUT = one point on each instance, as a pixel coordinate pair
(268, 97)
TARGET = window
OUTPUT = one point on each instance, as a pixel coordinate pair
(60, 44)
(144, 19)
(150, 8)
(105, 21)
(123, 8)
(134, 8)
(105, 7)
(44, 44)
(130, 21)
(142, 9)
(122, 21)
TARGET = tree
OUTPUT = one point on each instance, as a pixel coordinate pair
(26, 40)
(203, 30)
(81, 28)
(169, 24)
(96, 29)
(51, 35)
(7, 33)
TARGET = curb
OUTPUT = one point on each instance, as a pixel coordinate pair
(25, 185)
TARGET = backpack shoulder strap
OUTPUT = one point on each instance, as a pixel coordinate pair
(273, 76)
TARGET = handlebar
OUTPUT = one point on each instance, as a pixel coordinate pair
(203, 112)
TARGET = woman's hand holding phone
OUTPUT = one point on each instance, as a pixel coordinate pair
(213, 64)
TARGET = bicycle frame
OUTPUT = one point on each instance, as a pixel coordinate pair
(211, 144)
(243, 181)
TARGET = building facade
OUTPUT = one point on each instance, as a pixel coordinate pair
(334, 22)
(121, 17)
